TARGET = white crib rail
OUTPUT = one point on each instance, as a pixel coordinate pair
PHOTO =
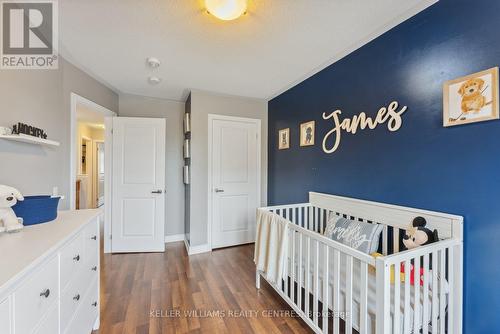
(298, 285)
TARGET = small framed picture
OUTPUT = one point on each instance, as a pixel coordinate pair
(473, 98)
(307, 133)
(284, 139)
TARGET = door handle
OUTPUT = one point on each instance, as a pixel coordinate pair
(157, 191)
(217, 190)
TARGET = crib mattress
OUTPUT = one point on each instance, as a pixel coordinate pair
(371, 285)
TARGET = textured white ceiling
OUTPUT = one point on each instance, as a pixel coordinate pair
(275, 45)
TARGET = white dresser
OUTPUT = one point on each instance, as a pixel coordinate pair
(49, 276)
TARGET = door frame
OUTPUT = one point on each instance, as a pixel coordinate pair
(95, 182)
(76, 100)
(211, 119)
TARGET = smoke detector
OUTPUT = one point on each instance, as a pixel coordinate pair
(153, 62)
(154, 80)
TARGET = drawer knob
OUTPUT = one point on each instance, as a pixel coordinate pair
(94, 304)
(77, 297)
(94, 268)
(94, 237)
(45, 294)
(77, 258)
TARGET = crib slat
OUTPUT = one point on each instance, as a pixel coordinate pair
(363, 311)
(416, 289)
(395, 236)
(434, 292)
(336, 290)
(287, 266)
(326, 279)
(292, 276)
(293, 216)
(397, 297)
(384, 240)
(407, 298)
(316, 283)
(321, 218)
(300, 274)
(442, 295)
(307, 277)
(425, 291)
(301, 210)
(316, 219)
(348, 295)
(450, 295)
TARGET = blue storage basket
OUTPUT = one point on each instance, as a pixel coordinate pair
(37, 209)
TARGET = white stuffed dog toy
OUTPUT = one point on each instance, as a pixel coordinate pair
(8, 198)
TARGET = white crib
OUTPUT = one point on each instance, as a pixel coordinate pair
(364, 298)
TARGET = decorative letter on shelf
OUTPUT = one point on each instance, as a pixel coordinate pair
(390, 115)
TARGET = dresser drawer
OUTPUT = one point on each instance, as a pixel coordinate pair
(5, 321)
(49, 324)
(72, 297)
(35, 296)
(86, 313)
(72, 258)
(92, 243)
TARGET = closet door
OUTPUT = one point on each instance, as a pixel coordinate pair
(235, 179)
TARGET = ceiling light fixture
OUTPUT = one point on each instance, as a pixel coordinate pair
(154, 80)
(226, 10)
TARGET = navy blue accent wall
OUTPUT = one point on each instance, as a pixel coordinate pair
(423, 165)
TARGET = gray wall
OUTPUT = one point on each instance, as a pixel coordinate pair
(202, 104)
(42, 98)
(172, 111)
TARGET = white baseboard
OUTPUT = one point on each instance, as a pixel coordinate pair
(192, 250)
(174, 238)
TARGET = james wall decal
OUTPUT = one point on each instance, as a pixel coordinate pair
(391, 115)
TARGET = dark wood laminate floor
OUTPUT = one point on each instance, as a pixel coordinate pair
(160, 293)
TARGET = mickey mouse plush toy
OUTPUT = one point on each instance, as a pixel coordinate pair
(415, 236)
(418, 234)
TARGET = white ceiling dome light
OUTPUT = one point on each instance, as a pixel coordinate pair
(226, 10)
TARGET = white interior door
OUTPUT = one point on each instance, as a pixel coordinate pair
(235, 180)
(138, 185)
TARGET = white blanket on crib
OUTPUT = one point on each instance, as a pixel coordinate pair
(270, 245)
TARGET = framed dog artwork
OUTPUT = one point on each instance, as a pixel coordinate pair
(473, 98)
(284, 139)
(307, 133)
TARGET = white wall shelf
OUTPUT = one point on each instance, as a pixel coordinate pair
(30, 139)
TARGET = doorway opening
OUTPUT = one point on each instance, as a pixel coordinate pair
(89, 184)
(87, 174)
